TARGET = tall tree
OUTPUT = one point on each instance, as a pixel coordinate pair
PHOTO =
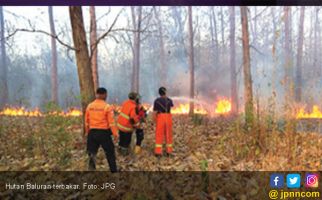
(274, 57)
(54, 83)
(222, 26)
(214, 33)
(254, 33)
(288, 76)
(316, 42)
(191, 61)
(233, 75)
(93, 41)
(248, 90)
(291, 30)
(136, 22)
(298, 87)
(179, 36)
(255, 24)
(3, 64)
(163, 66)
(82, 56)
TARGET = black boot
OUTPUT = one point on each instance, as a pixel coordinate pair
(158, 155)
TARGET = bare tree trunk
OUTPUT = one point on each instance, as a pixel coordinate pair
(93, 39)
(312, 55)
(311, 59)
(222, 26)
(191, 61)
(291, 31)
(298, 88)
(315, 51)
(214, 34)
(255, 25)
(215, 29)
(54, 82)
(274, 57)
(163, 70)
(197, 47)
(248, 90)
(233, 78)
(223, 50)
(212, 30)
(136, 20)
(288, 58)
(84, 69)
(3, 64)
(179, 36)
(133, 81)
(255, 38)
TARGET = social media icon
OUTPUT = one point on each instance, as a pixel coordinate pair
(277, 180)
(312, 180)
(293, 180)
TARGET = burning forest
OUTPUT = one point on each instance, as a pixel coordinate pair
(199, 88)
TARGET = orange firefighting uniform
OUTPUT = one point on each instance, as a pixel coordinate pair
(128, 118)
(162, 107)
(99, 124)
(100, 115)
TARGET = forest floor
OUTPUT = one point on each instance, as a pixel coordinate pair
(200, 144)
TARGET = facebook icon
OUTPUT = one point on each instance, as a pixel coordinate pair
(277, 180)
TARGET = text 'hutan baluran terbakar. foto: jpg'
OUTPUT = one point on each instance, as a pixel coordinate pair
(84, 186)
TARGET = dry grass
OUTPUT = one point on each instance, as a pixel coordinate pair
(201, 144)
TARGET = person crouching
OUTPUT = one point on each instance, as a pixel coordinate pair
(127, 121)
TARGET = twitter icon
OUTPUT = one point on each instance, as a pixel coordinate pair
(293, 180)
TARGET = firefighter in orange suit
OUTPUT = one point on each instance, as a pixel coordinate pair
(127, 121)
(162, 115)
(100, 126)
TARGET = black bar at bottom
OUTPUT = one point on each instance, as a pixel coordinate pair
(144, 185)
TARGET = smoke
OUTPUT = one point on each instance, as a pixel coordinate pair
(29, 70)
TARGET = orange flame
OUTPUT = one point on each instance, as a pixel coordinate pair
(74, 112)
(316, 113)
(184, 109)
(37, 113)
(223, 106)
(21, 112)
